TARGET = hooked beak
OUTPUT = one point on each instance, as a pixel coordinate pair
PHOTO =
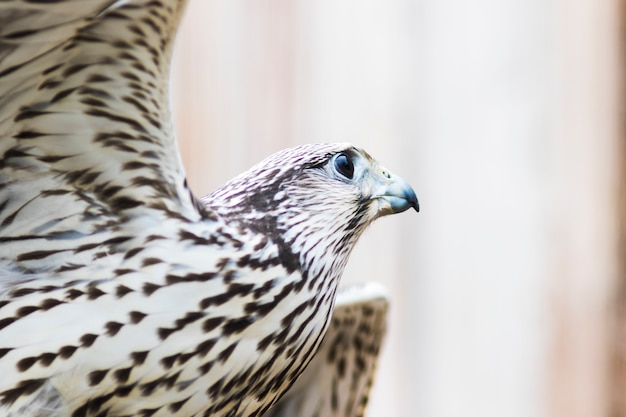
(397, 195)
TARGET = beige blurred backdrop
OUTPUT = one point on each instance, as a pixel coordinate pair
(506, 117)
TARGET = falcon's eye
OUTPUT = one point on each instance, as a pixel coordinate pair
(344, 165)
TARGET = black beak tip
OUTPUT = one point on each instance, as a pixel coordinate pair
(416, 205)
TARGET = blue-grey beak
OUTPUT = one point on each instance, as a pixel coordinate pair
(401, 196)
(397, 193)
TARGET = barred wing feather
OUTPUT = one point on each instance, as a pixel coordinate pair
(338, 380)
(85, 131)
(120, 294)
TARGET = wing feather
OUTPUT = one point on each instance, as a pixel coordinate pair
(85, 130)
(338, 380)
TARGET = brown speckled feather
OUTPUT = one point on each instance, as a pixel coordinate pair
(337, 382)
(85, 132)
(120, 293)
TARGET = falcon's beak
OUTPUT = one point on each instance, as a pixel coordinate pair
(396, 193)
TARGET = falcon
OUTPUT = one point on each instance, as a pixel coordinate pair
(122, 294)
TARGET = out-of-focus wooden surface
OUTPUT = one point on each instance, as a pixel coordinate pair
(505, 117)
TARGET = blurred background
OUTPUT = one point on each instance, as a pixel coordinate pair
(507, 117)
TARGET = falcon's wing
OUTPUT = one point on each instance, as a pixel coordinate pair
(85, 130)
(337, 381)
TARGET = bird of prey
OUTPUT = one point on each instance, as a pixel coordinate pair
(121, 294)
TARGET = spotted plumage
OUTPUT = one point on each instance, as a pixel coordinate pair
(337, 382)
(121, 294)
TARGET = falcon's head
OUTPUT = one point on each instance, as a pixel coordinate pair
(313, 198)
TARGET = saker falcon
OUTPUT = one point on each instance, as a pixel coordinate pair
(121, 294)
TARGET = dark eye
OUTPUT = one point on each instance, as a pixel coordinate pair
(344, 165)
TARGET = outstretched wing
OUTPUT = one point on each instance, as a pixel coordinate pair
(338, 380)
(85, 130)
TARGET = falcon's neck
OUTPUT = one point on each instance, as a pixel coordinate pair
(311, 242)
